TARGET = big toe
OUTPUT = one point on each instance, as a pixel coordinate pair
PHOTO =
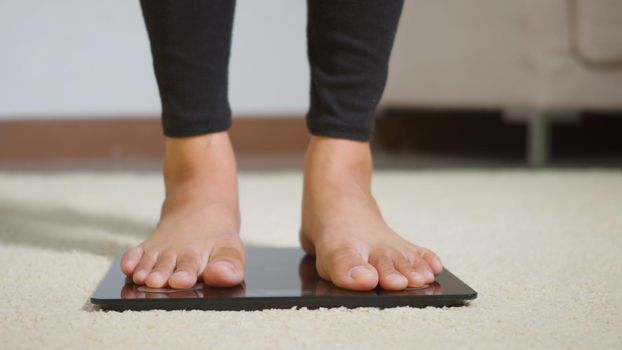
(346, 268)
(225, 267)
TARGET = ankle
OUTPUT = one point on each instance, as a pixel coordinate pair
(200, 170)
(339, 152)
(337, 163)
(199, 159)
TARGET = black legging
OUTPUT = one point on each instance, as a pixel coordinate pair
(349, 44)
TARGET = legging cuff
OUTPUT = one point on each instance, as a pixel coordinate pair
(200, 126)
(348, 132)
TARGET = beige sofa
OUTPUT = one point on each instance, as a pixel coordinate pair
(537, 60)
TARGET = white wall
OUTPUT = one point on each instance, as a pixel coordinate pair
(88, 58)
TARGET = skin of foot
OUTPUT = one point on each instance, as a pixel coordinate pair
(343, 227)
(197, 236)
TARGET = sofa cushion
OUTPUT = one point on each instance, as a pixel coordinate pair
(597, 30)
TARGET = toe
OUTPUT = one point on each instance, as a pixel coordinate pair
(424, 268)
(346, 268)
(130, 259)
(414, 275)
(144, 267)
(423, 273)
(186, 271)
(389, 277)
(162, 270)
(225, 267)
(434, 262)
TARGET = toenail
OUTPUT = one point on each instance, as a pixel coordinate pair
(226, 265)
(182, 274)
(359, 271)
(416, 276)
(395, 278)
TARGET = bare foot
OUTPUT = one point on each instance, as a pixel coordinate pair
(343, 227)
(197, 235)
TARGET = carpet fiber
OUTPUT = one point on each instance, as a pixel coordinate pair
(543, 249)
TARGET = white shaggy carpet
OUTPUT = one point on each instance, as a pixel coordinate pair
(543, 249)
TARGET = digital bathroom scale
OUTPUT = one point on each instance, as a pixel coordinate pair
(276, 278)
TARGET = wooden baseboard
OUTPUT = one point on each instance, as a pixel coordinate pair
(34, 143)
(58, 140)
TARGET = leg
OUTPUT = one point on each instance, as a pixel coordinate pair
(349, 47)
(197, 235)
(190, 46)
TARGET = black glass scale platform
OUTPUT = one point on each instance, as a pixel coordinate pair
(279, 278)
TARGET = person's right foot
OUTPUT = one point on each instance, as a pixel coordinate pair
(197, 235)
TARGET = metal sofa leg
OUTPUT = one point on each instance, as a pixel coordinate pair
(538, 130)
(538, 147)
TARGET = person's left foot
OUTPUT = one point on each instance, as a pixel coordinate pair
(343, 227)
